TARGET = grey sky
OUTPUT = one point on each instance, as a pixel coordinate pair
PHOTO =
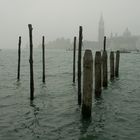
(57, 18)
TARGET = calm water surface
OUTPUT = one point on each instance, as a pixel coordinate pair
(54, 114)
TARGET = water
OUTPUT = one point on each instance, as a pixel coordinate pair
(54, 114)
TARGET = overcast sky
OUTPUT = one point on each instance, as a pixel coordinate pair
(61, 18)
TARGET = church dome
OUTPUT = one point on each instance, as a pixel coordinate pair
(127, 33)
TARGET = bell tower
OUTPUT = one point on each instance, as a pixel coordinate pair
(101, 32)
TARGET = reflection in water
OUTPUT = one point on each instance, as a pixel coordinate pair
(43, 85)
(98, 99)
(85, 124)
(35, 112)
(18, 84)
(35, 120)
(73, 84)
(99, 112)
(92, 127)
(43, 93)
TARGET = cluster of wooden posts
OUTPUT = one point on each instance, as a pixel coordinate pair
(101, 73)
(101, 70)
(31, 61)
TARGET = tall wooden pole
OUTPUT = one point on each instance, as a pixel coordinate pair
(31, 63)
(98, 77)
(43, 59)
(117, 64)
(19, 54)
(111, 65)
(104, 65)
(104, 43)
(87, 84)
(79, 64)
(74, 58)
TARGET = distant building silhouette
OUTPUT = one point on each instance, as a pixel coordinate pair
(101, 32)
(127, 33)
(60, 43)
(126, 41)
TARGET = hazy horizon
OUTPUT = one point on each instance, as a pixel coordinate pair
(62, 18)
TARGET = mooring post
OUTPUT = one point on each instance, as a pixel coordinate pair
(111, 65)
(104, 43)
(87, 84)
(79, 64)
(31, 63)
(74, 58)
(117, 64)
(98, 77)
(104, 65)
(19, 54)
(43, 59)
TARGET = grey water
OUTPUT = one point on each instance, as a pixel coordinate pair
(54, 114)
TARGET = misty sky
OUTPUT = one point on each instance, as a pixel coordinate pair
(61, 18)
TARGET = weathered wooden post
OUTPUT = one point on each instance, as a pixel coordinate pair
(117, 64)
(98, 77)
(19, 54)
(87, 84)
(31, 63)
(111, 65)
(104, 65)
(104, 43)
(74, 58)
(79, 64)
(43, 59)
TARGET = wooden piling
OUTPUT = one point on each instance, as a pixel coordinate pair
(31, 63)
(43, 59)
(74, 58)
(104, 65)
(79, 64)
(87, 84)
(111, 65)
(19, 54)
(117, 64)
(104, 69)
(98, 76)
(104, 43)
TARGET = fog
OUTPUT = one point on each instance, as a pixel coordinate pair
(61, 18)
